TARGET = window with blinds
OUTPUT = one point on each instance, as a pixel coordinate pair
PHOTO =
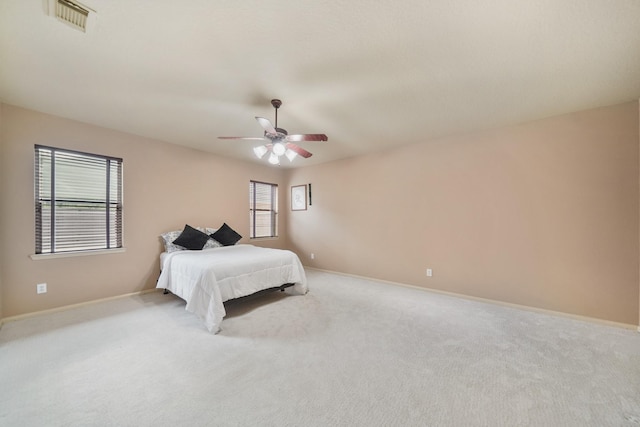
(78, 201)
(263, 209)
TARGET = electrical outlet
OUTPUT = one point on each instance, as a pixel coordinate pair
(41, 288)
(313, 256)
(429, 272)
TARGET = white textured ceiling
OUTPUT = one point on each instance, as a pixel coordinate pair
(369, 74)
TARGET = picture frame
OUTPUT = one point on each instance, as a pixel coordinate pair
(299, 198)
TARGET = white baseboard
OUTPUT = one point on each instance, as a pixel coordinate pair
(491, 301)
(71, 306)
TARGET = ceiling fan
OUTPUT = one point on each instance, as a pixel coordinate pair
(278, 140)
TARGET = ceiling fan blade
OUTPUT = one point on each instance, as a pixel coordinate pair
(299, 150)
(267, 126)
(250, 138)
(307, 137)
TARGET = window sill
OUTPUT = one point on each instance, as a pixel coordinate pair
(37, 257)
(263, 238)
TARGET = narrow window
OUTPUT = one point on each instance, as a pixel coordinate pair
(263, 209)
(78, 201)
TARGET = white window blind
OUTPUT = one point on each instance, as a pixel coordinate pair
(263, 209)
(78, 201)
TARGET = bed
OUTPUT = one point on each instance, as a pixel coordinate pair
(207, 278)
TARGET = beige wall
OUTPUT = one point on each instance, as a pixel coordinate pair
(3, 227)
(543, 215)
(165, 186)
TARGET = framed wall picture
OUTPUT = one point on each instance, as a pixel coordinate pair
(299, 198)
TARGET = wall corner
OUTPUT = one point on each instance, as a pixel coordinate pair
(2, 214)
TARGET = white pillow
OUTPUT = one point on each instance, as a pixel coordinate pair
(211, 243)
(168, 238)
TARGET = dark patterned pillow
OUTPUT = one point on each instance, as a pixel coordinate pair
(191, 238)
(226, 235)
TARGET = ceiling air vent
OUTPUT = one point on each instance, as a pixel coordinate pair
(72, 13)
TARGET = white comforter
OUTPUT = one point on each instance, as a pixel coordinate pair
(207, 278)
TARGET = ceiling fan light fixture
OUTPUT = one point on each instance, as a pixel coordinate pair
(273, 159)
(290, 154)
(260, 151)
(279, 149)
(278, 142)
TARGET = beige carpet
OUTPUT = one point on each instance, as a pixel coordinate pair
(350, 353)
